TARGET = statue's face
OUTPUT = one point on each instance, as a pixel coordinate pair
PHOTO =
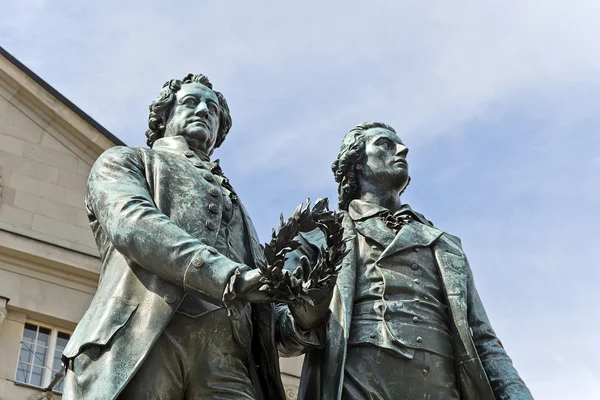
(195, 116)
(385, 163)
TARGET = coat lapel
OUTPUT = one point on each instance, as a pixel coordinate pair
(452, 265)
(346, 280)
(374, 228)
(414, 234)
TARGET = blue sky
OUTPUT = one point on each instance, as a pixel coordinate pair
(498, 102)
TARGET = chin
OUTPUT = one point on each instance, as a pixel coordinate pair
(400, 180)
(196, 132)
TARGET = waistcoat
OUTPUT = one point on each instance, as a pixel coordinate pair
(399, 301)
(232, 242)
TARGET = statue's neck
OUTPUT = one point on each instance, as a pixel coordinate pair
(389, 199)
(200, 154)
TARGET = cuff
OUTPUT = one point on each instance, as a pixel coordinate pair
(208, 274)
(296, 340)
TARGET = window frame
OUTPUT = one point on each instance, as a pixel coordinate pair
(47, 371)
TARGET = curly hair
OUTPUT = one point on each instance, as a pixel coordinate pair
(162, 104)
(352, 153)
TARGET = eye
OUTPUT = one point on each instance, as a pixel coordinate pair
(212, 107)
(190, 101)
(383, 142)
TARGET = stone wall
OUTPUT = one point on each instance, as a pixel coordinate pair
(43, 180)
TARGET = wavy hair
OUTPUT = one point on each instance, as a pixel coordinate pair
(161, 107)
(352, 153)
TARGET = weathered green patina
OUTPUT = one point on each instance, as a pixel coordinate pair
(406, 320)
(172, 233)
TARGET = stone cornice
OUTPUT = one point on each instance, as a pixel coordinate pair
(80, 270)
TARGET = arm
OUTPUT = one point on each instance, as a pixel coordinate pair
(302, 328)
(503, 377)
(118, 196)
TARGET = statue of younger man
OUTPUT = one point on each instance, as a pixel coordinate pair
(406, 320)
(172, 234)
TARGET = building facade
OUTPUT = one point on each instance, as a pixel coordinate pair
(49, 264)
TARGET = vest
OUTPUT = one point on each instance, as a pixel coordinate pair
(399, 301)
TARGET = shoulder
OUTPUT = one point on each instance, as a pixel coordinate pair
(423, 219)
(455, 239)
(119, 160)
(121, 153)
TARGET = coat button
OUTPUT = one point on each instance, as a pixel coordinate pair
(198, 262)
(415, 319)
(214, 192)
(419, 339)
(170, 298)
(95, 351)
(211, 250)
(417, 249)
(189, 153)
(386, 297)
(213, 208)
(209, 177)
(415, 267)
(210, 225)
(387, 317)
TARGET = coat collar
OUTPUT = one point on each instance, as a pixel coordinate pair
(418, 233)
(178, 145)
(360, 209)
(414, 234)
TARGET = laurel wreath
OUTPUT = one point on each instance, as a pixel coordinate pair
(297, 286)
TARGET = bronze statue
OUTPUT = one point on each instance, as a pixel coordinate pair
(179, 252)
(406, 320)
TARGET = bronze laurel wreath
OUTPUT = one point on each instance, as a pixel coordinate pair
(287, 286)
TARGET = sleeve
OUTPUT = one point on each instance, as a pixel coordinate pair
(291, 339)
(503, 377)
(119, 199)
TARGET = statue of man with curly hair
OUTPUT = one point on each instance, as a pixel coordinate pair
(174, 237)
(406, 320)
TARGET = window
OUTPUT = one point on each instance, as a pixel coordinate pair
(39, 358)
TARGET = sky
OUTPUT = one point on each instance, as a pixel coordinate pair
(497, 101)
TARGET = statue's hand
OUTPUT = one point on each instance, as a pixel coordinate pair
(247, 287)
(309, 314)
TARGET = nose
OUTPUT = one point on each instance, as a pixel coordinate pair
(201, 109)
(401, 150)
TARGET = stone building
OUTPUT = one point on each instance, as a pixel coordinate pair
(49, 264)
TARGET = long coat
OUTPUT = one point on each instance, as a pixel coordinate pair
(485, 372)
(155, 215)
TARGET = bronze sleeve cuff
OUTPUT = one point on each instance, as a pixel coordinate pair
(208, 274)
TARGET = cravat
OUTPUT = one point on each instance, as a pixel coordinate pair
(396, 220)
